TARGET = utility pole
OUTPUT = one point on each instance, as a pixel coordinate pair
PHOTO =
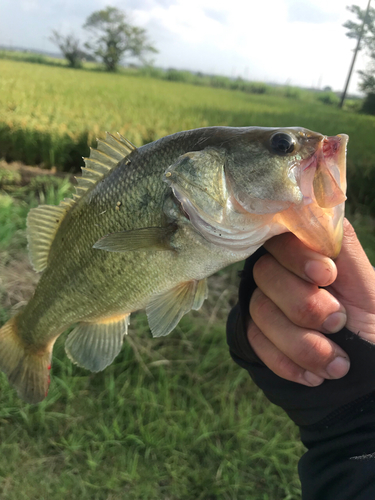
(354, 56)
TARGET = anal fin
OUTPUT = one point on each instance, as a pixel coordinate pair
(164, 311)
(94, 346)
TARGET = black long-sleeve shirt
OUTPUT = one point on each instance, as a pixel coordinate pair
(336, 419)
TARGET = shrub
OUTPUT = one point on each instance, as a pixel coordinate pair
(292, 92)
(328, 98)
(369, 104)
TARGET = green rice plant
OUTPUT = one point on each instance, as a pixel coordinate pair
(14, 207)
(12, 219)
(59, 113)
(31, 57)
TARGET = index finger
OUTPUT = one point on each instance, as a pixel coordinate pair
(292, 254)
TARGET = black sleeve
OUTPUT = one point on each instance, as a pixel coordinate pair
(336, 419)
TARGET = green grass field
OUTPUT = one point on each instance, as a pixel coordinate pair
(171, 418)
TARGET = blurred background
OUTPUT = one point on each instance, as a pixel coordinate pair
(171, 418)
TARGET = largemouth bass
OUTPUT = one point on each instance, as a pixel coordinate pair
(147, 226)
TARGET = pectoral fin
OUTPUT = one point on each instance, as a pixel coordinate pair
(201, 294)
(95, 345)
(164, 311)
(148, 238)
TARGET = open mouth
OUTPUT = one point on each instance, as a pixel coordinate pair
(322, 176)
(317, 221)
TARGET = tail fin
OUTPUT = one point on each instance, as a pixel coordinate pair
(27, 370)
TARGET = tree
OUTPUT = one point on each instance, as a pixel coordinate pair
(113, 38)
(69, 46)
(367, 83)
(354, 29)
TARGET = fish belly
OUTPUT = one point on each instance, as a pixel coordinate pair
(117, 283)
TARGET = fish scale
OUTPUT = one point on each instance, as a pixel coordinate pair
(146, 230)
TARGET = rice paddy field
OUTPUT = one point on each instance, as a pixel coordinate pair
(171, 418)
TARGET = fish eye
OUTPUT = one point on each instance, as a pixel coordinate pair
(282, 144)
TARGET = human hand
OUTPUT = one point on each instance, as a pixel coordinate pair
(289, 310)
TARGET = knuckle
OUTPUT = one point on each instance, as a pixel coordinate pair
(308, 312)
(314, 351)
(261, 268)
(286, 368)
(254, 335)
(260, 305)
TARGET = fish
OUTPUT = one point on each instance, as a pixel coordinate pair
(148, 225)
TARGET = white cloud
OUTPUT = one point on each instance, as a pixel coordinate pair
(29, 5)
(307, 12)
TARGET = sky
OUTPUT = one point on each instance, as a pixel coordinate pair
(295, 42)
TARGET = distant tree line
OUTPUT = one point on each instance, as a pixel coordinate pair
(111, 39)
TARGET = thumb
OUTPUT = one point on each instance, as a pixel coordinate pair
(355, 284)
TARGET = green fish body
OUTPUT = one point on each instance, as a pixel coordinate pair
(148, 225)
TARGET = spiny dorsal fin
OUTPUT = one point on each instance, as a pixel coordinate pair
(67, 203)
(109, 153)
(42, 222)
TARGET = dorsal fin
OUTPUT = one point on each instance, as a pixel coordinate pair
(109, 153)
(42, 222)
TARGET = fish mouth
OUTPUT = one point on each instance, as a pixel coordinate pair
(322, 175)
(318, 221)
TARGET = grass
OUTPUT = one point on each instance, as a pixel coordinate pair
(168, 429)
(171, 418)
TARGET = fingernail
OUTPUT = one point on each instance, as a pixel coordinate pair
(312, 379)
(338, 367)
(319, 271)
(335, 322)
